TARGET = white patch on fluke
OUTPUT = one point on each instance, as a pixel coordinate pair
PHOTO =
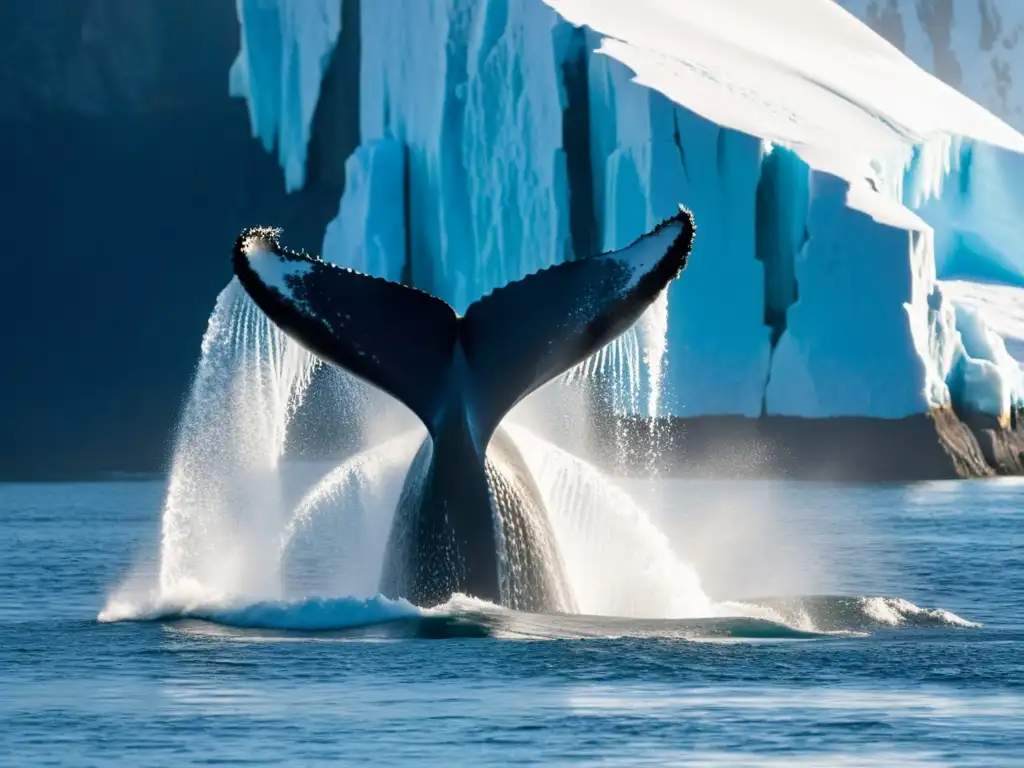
(274, 270)
(643, 256)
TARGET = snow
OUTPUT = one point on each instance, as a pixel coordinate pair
(975, 194)
(802, 73)
(368, 234)
(869, 333)
(833, 182)
(285, 49)
(976, 47)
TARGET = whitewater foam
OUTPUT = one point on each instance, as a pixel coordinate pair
(844, 614)
(897, 612)
(794, 618)
(310, 614)
(314, 614)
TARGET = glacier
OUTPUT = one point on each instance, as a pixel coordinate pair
(368, 234)
(285, 48)
(974, 46)
(843, 195)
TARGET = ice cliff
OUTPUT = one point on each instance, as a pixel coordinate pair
(834, 183)
(978, 48)
(285, 49)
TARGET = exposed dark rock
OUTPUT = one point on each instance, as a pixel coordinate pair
(932, 446)
(1001, 444)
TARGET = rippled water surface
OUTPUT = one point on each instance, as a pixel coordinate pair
(880, 625)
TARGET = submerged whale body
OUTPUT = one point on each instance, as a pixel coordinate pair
(470, 518)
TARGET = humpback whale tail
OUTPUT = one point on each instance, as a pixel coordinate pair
(414, 346)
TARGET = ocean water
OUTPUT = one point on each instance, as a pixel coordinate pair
(881, 625)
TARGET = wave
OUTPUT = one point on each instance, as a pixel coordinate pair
(773, 618)
(840, 613)
(314, 614)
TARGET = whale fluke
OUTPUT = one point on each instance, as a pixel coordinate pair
(470, 518)
(413, 345)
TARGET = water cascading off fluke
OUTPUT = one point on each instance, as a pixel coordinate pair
(231, 528)
(224, 502)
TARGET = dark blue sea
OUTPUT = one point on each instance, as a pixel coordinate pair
(898, 639)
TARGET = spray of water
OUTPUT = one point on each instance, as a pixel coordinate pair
(618, 362)
(618, 563)
(618, 390)
(334, 541)
(232, 530)
(224, 500)
(653, 332)
(251, 540)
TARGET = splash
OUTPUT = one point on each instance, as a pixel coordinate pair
(249, 540)
(224, 498)
(631, 366)
(529, 561)
(617, 561)
(463, 616)
(842, 614)
(334, 541)
(653, 333)
(619, 391)
(233, 532)
(618, 361)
